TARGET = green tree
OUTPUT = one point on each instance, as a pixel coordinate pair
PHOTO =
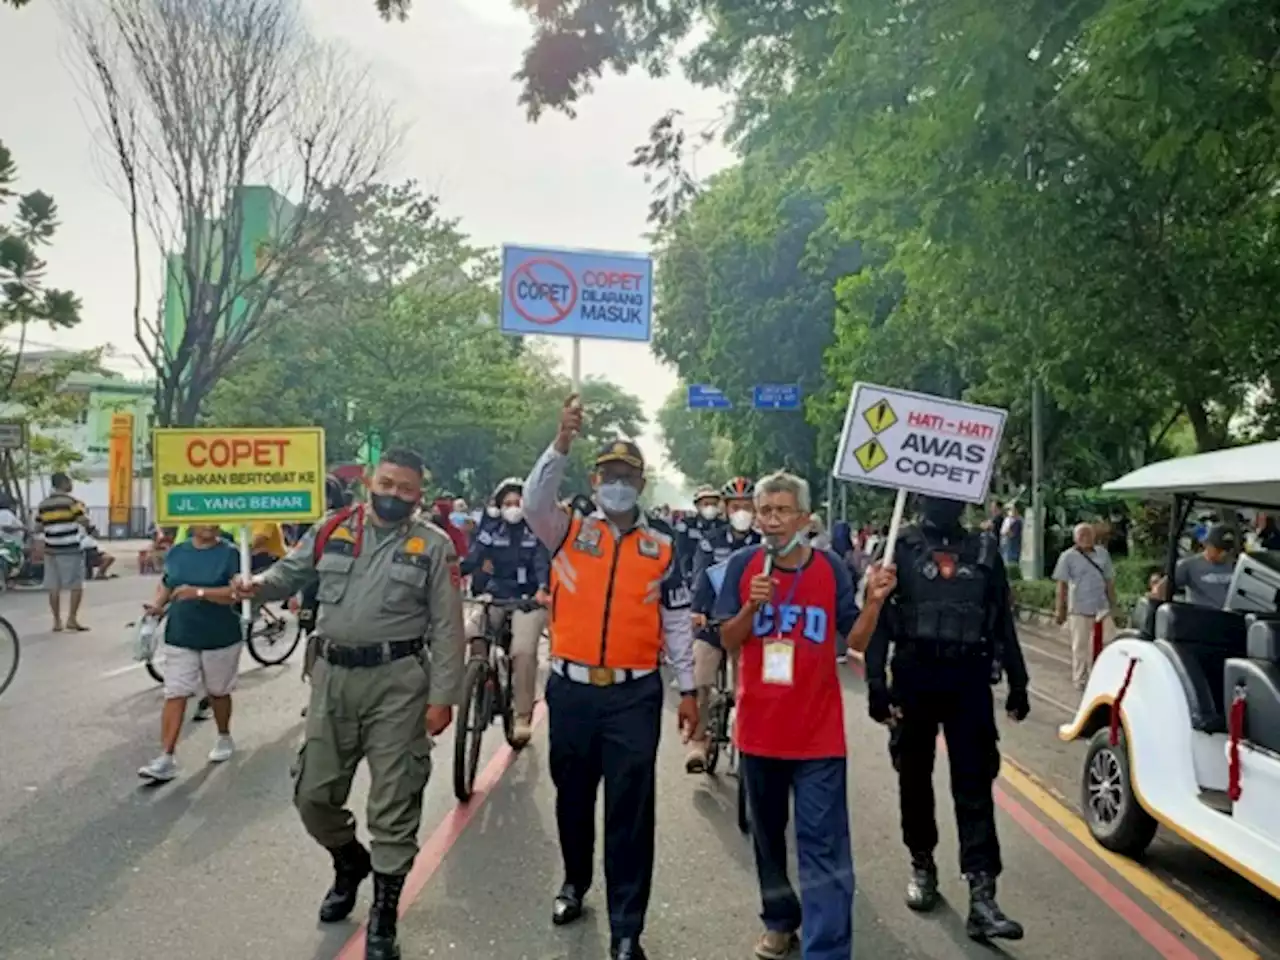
(33, 391)
(691, 445)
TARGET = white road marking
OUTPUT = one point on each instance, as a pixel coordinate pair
(120, 671)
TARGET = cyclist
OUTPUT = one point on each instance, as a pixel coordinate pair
(518, 566)
(739, 500)
(691, 531)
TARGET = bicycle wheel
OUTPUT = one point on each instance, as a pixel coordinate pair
(271, 643)
(715, 732)
(10, 649)
(507, 702)
(744, 819)
(472, 719)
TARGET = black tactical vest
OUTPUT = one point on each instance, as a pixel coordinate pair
(942, 589)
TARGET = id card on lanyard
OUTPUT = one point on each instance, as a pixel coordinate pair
(779, 664)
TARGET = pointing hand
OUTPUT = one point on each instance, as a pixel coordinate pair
(570, 423)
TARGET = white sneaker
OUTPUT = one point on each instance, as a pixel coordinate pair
(160, 770)
(842, 658)
(222, 750)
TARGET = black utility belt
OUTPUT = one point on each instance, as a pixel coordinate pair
(369, 655)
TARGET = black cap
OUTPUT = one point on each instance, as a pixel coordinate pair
(620, 451)
(1221, 536)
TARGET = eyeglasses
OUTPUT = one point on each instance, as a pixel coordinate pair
(781, 513)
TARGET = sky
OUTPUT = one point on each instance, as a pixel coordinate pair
(447, 71)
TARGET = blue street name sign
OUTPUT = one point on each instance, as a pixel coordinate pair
(776, 396)
(705, 397)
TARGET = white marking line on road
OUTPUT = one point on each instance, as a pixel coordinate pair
(1052, 701)
(1056, 657)
(120, 671)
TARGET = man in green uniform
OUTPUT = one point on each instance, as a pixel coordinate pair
(388, 672)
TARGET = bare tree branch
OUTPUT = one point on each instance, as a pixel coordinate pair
(202, 104)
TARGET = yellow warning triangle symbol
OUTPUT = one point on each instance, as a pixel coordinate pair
(871, 454)
(880, 416)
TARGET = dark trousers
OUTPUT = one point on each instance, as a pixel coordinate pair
(608, 733)
(966, 715)
(824, 851)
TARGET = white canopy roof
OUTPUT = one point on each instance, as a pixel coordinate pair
(1244, 475)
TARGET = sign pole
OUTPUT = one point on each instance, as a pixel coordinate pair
(575, 367)
(899, 505)
(246, 562)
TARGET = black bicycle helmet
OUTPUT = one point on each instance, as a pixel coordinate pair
(739, 488)
(334, 496)
(509, 485)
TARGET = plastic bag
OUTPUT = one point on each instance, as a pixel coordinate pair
(147, 638)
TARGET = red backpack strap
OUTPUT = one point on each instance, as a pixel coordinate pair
(327, 528)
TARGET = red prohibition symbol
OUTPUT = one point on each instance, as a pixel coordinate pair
(543, 291)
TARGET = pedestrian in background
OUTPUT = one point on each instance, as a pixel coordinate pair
(784, 605)
(389, 665)
(619, 601)
(203, 638)
(62, 520)
(1086, 596)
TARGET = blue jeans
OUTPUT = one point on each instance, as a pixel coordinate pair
(824, 850)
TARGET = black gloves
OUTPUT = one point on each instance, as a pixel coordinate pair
(879, 701)
(1018, 706)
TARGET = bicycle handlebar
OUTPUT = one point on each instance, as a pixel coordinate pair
(526, 604)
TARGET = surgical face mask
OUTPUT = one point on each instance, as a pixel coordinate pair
(782, 547)
(512, 515)
(390, 508)
(741, 520)
(457, 518)
(617, 496)
(709, 512)
(493, 512)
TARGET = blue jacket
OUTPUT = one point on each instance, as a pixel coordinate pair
(521, 564)
(689, 536)
(720, 545)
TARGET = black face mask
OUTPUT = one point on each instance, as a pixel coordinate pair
(941, 514)
(390, 508)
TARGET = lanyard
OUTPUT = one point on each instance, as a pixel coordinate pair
(795, 582)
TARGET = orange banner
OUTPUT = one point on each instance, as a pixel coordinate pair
(120, 465)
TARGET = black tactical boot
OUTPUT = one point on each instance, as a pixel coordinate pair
(380, 941)
(986, 920)
(922, 888)
(350, 866)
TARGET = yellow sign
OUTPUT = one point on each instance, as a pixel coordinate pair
(871, 454)
(239, 475)
(120, 469)
(880, 416)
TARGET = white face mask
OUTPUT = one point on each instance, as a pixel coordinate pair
(493, 512)
(709, 512)
(741, 520)
(512, 515)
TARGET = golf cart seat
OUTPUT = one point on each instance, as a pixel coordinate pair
(1144, 617)
(1259, 675)
(1198, 642)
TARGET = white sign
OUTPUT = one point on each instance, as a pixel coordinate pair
(912, 441)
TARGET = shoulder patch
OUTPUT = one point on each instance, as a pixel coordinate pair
(415, 545)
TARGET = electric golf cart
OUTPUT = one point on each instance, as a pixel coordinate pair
(1182, 709)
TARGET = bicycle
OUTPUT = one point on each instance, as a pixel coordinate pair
(10, 651)
(268, 638)
(721, 703)
(486, 694)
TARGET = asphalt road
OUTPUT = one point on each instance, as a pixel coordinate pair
(94, 866)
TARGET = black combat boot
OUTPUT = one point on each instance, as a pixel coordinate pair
(986, 920)
(380, 940)
(922, 888)
(350, 866)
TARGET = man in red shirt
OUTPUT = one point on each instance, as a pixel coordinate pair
(784, 605)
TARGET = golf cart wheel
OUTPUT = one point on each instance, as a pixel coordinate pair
(1111, 809)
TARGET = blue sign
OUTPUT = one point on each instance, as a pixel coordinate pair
(577, 293)
(776, 396)
(704, 397)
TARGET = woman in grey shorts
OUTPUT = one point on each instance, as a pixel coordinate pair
(203, 639)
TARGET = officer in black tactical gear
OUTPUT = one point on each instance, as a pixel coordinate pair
(949, 625)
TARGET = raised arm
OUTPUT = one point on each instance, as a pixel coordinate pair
(542, 510)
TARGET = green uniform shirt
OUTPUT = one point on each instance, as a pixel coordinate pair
(383, 585)
(199, 624)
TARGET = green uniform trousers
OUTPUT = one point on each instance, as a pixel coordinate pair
(377, 714)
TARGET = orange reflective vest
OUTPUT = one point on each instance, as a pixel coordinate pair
(606, 594)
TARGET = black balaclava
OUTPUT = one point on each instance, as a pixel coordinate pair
(941, 514)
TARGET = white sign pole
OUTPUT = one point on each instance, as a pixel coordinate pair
(246, 561)
(899, 505)
(575, 365)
